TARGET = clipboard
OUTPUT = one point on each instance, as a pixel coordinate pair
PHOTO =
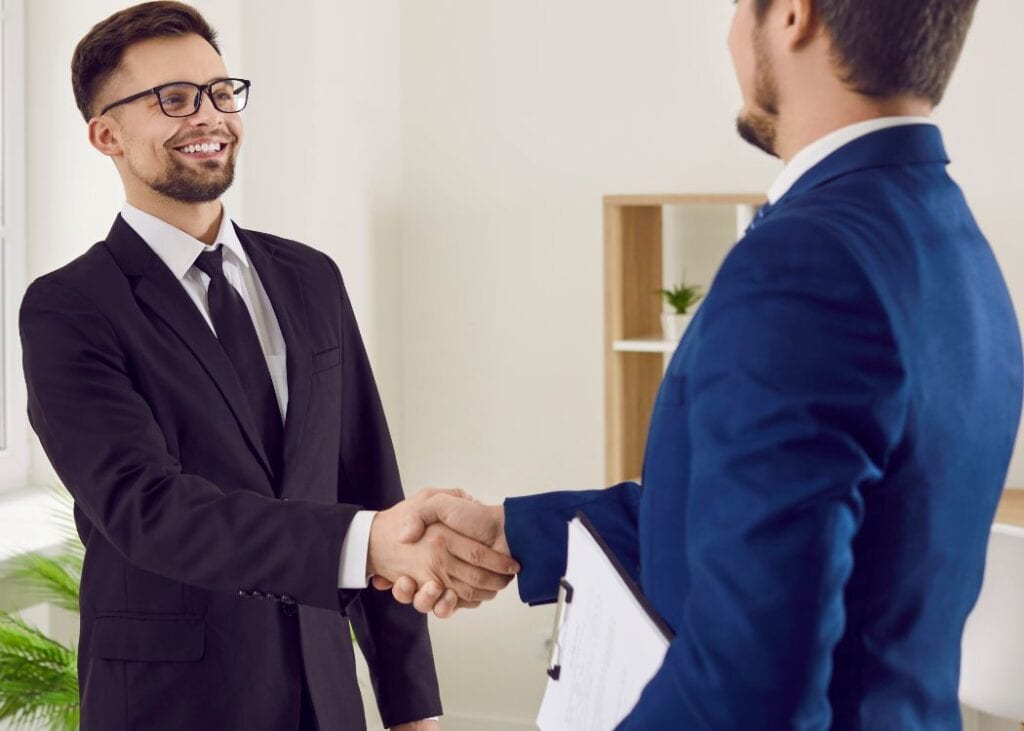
(607, 643)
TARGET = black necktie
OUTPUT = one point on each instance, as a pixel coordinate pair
(237, 336)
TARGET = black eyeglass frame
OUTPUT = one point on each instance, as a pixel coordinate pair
(200, 88)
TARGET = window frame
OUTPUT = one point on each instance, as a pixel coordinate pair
(15, 451)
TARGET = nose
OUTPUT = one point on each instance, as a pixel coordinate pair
(207, 112)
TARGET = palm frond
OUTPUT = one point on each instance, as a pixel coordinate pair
(38, 677)
(49, 578)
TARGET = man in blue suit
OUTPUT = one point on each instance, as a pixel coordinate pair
(832, 436)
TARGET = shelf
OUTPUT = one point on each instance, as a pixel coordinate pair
(653, 344)
(734, 199)
(702, 227)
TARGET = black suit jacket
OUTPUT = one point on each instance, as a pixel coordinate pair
(210, 581)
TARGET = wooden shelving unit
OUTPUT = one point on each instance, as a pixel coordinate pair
(635, 352)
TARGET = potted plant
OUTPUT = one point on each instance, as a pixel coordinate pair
(38, 675)
(680, 298)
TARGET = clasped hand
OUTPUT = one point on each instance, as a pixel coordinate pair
(439, 551)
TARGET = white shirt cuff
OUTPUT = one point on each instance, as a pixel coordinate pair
(352, 567)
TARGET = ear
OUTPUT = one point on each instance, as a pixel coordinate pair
(105, 135)
(801, 23)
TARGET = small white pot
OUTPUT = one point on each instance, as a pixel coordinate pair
(673, 326)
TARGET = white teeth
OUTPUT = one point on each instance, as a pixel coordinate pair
(205, 147)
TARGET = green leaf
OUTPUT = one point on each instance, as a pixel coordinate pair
(54, 579)
(682, 297)
(38, 677)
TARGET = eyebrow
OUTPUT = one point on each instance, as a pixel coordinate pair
(178, 81)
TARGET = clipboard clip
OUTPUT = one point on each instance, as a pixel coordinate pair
(565, 592)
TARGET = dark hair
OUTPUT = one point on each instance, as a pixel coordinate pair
(99, 53)
(890, 47)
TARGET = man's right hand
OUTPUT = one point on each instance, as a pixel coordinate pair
(456, 511)
(407, 540)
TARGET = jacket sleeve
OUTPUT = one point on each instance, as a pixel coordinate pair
(538, 537)
(797, 399)
(111, 455)
(393, 637)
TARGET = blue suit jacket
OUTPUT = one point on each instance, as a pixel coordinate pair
(824, 459)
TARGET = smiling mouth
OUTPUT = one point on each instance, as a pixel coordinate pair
(204, 151)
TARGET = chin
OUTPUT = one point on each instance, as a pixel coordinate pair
(758, 129)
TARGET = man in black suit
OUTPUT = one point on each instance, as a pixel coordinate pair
(203, 392)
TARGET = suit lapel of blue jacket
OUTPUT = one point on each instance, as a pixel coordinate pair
(907, 144)
(156, 287)
(280, 277)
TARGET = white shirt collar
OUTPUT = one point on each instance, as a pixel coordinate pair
(177, 249)
(818, 150)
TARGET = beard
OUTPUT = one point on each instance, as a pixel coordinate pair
(183, 183)
(759, 126)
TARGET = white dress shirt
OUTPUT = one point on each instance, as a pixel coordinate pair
(179, 251)
(821, 148)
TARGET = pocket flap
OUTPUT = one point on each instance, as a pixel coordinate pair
(152, 638)
(326, 359)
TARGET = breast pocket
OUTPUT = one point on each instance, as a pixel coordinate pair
(324, 359)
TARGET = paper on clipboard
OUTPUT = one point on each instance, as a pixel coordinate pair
(608, 644)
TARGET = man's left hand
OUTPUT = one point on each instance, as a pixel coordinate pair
(427, 725)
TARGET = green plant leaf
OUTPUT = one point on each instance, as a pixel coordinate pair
(682, 297)
(38, 677)
(54, 579)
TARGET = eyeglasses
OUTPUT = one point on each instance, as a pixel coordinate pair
(183, 98)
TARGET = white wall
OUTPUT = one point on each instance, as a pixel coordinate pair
(516, 119)
(323, 151)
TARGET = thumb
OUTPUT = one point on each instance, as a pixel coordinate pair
(427, 512)
(415, 525)
(380, 583)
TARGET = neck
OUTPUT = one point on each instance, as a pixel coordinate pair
(199, 220)
(802, 124)
(818, 118)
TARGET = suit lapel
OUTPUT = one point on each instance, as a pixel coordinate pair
(154, 285)
(280, 278)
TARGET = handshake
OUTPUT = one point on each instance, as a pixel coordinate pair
(440, 550)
